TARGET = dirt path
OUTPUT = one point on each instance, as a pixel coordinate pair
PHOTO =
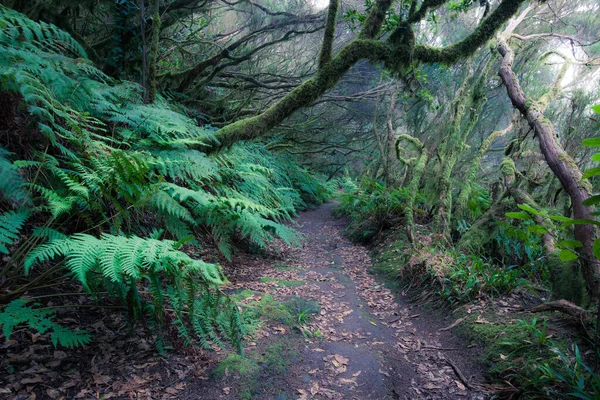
(363, 344)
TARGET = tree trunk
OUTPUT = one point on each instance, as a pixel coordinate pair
(561, 164)
(151, 83)
(329, 34)
(415, 181)
(391, 162)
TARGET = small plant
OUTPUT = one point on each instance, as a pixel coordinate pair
(540, 335)
(371, 208)
(471, 276)
(17, 312)
(579, 379)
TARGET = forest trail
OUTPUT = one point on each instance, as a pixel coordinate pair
(369, 344)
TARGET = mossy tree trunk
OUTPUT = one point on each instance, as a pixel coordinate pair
(418, 164)
(153, 56)
(467, 189)
(468, 101)
(561, 164)
(391, 161)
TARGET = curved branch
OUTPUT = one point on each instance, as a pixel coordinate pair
(467, 46)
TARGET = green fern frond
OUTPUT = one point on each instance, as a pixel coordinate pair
(11, 223)
(17, 312)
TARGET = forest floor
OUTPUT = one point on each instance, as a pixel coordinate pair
(361, 342)
(323, 327)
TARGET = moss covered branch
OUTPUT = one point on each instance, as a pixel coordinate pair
(395, 52)
(329, 34)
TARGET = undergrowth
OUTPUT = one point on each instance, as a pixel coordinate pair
(370, 208)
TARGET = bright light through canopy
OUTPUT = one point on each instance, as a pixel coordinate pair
(320, 4)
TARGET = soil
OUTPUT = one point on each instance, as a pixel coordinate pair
(362, 341)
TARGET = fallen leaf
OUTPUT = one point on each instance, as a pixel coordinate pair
(341, 359)
(37, 379)
(314, 389)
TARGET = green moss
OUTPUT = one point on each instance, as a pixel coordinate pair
(507, 166)
(270, 309)
(285, 268)
(566, 280)
(244, 294)
(294, 311)
(247, 372)
(282, 282)
(237, 366)
(279, 357)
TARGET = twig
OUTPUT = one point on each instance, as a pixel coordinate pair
(458, 373)
(458, 321)
(440, 348)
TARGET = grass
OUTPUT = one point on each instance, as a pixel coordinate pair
(281, 267)
(531, 357)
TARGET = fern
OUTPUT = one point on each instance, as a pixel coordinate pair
(130, 260)
(11, 182)
(11, 223)
(17, 312)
